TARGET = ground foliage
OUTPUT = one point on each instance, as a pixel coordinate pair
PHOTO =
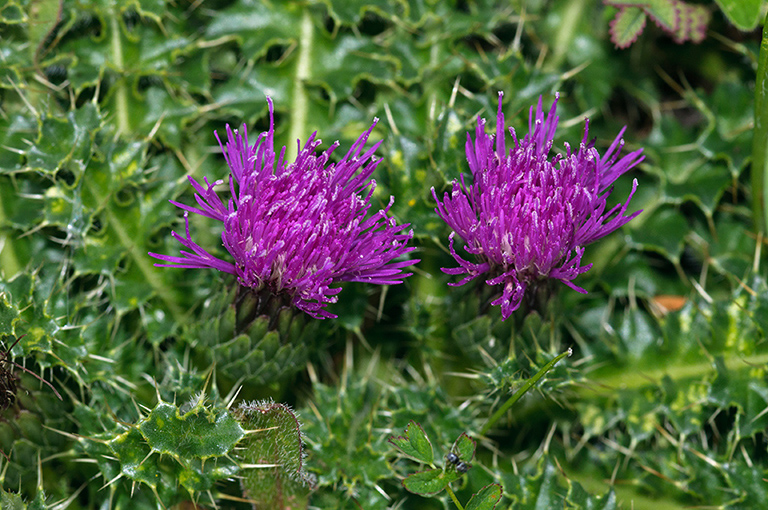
(106, 107)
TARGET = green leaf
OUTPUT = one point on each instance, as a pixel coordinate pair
(65, 141)
(663, 231)
(199, 433)
(12, 13)
(693, 23)
(351, 12)
(426, 483)
(11, 501)
(745, 14)
(543, 489)
(135, 458)
(486, 499)
(256, 25)
(627, 26)
(664, 13)
(464, 447)
(414, 443)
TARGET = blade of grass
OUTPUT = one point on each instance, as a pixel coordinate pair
(530, 383)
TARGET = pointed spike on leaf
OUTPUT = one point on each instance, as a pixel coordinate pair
(414, 443)
(486, 498)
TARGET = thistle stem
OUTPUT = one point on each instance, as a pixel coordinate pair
(522, 391)
(300, 104)
(760, 138)
(121, 90)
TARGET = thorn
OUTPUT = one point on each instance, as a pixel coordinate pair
(213, 501)
(455, 89)
(138, 410)
(209, 377)
(111, 481)
(155, 128)
(391, 120)
(154, 489)
(76, 437)
(24, 99)
(254, 431)
(157, 391)
(145, 458)
(312, 374)
(231, 398)
(64, 503)
(39, 472)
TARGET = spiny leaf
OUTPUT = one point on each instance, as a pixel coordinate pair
(256, 25)
(198, 433)
(543, 489)
(11, 501)
(351, 12)
(134, 456)
(12, 13)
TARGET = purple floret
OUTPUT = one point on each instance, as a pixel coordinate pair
(298, 228)
(527, 217)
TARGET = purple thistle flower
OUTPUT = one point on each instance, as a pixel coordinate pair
(297, 228)
(526, 217)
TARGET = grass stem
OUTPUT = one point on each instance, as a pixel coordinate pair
(522, 391)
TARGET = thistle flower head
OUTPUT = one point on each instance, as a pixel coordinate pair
(527, 216)
(296, 229)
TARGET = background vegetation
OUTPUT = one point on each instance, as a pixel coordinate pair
(106, 106)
